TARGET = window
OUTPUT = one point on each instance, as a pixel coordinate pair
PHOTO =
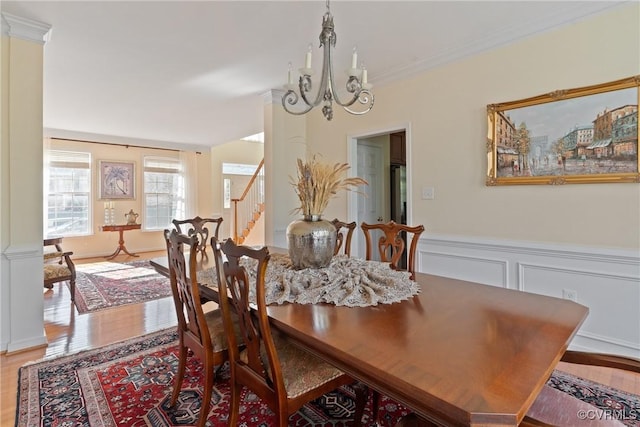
(227, 193)
(164, 192)
(67, 193)
(241, 169)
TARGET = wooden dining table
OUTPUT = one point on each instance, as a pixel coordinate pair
(458, 353)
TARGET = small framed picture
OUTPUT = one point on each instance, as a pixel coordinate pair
(117, 180)
(572, 136)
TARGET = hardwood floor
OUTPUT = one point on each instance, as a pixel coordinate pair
(69, 332)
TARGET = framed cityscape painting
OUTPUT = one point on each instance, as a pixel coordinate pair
(583, 135)
(117, 180)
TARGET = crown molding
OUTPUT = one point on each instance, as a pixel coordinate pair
(25, 29)
(567, 13)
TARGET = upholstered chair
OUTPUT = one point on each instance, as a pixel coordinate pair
(202, 333)
(58, 266)
(280, 373)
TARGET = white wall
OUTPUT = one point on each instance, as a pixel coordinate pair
(446, 112)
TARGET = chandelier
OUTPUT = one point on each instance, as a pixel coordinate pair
(357, 86)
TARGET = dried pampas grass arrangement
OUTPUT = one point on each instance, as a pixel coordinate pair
(318, 182)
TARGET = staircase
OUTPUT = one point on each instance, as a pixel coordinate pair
(249, 207)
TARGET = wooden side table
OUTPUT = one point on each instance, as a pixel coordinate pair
(121, 229)
(55, 241)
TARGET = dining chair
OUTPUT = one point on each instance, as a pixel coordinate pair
(391, 248)
(560, 409)
(201, 332)
(198, 226)
(341, 238)
(392, 245)
(280, 373)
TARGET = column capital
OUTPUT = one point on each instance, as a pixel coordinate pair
(25, 28)
(274, 96)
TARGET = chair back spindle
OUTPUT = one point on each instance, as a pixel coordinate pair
(198, 226)
(201, 332)
(281, 374)
(341, 238)
(185, 291)
(391, 245)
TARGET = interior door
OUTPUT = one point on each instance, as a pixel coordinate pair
(371, 208)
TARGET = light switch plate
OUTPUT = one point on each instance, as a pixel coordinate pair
(428, 193)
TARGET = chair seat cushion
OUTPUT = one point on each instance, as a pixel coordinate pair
(560, 409)
(54, 271)
(52, 255)
(301, 370)
(216, 329)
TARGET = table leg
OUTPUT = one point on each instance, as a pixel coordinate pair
(113, 255)
(121, 247)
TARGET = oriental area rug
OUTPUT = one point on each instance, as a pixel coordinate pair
(130, 384)
(108, 284)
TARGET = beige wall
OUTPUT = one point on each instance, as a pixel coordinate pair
(104, 243)
(204, 194)
(25, 70)
(446, 112)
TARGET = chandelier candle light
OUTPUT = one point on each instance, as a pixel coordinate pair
(357, 84)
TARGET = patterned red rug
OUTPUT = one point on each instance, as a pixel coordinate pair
(130, 383)
(108, 284)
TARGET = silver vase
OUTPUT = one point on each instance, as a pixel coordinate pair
(312, 241)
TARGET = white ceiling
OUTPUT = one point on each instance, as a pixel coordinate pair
(194, 73)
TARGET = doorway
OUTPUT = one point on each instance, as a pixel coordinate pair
(380, 158)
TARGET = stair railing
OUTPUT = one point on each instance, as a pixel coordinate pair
(248, 208)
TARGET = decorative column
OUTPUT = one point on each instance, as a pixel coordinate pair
(284, 143)
(21, 149)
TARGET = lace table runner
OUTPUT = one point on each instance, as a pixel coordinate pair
(350, 282)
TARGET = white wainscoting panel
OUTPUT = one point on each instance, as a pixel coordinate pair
(476, 269)
(605, 280)
(21, 320)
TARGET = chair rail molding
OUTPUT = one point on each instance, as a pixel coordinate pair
(607, 280)
(14, 252)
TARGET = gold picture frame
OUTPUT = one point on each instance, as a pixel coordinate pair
(573, 136)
